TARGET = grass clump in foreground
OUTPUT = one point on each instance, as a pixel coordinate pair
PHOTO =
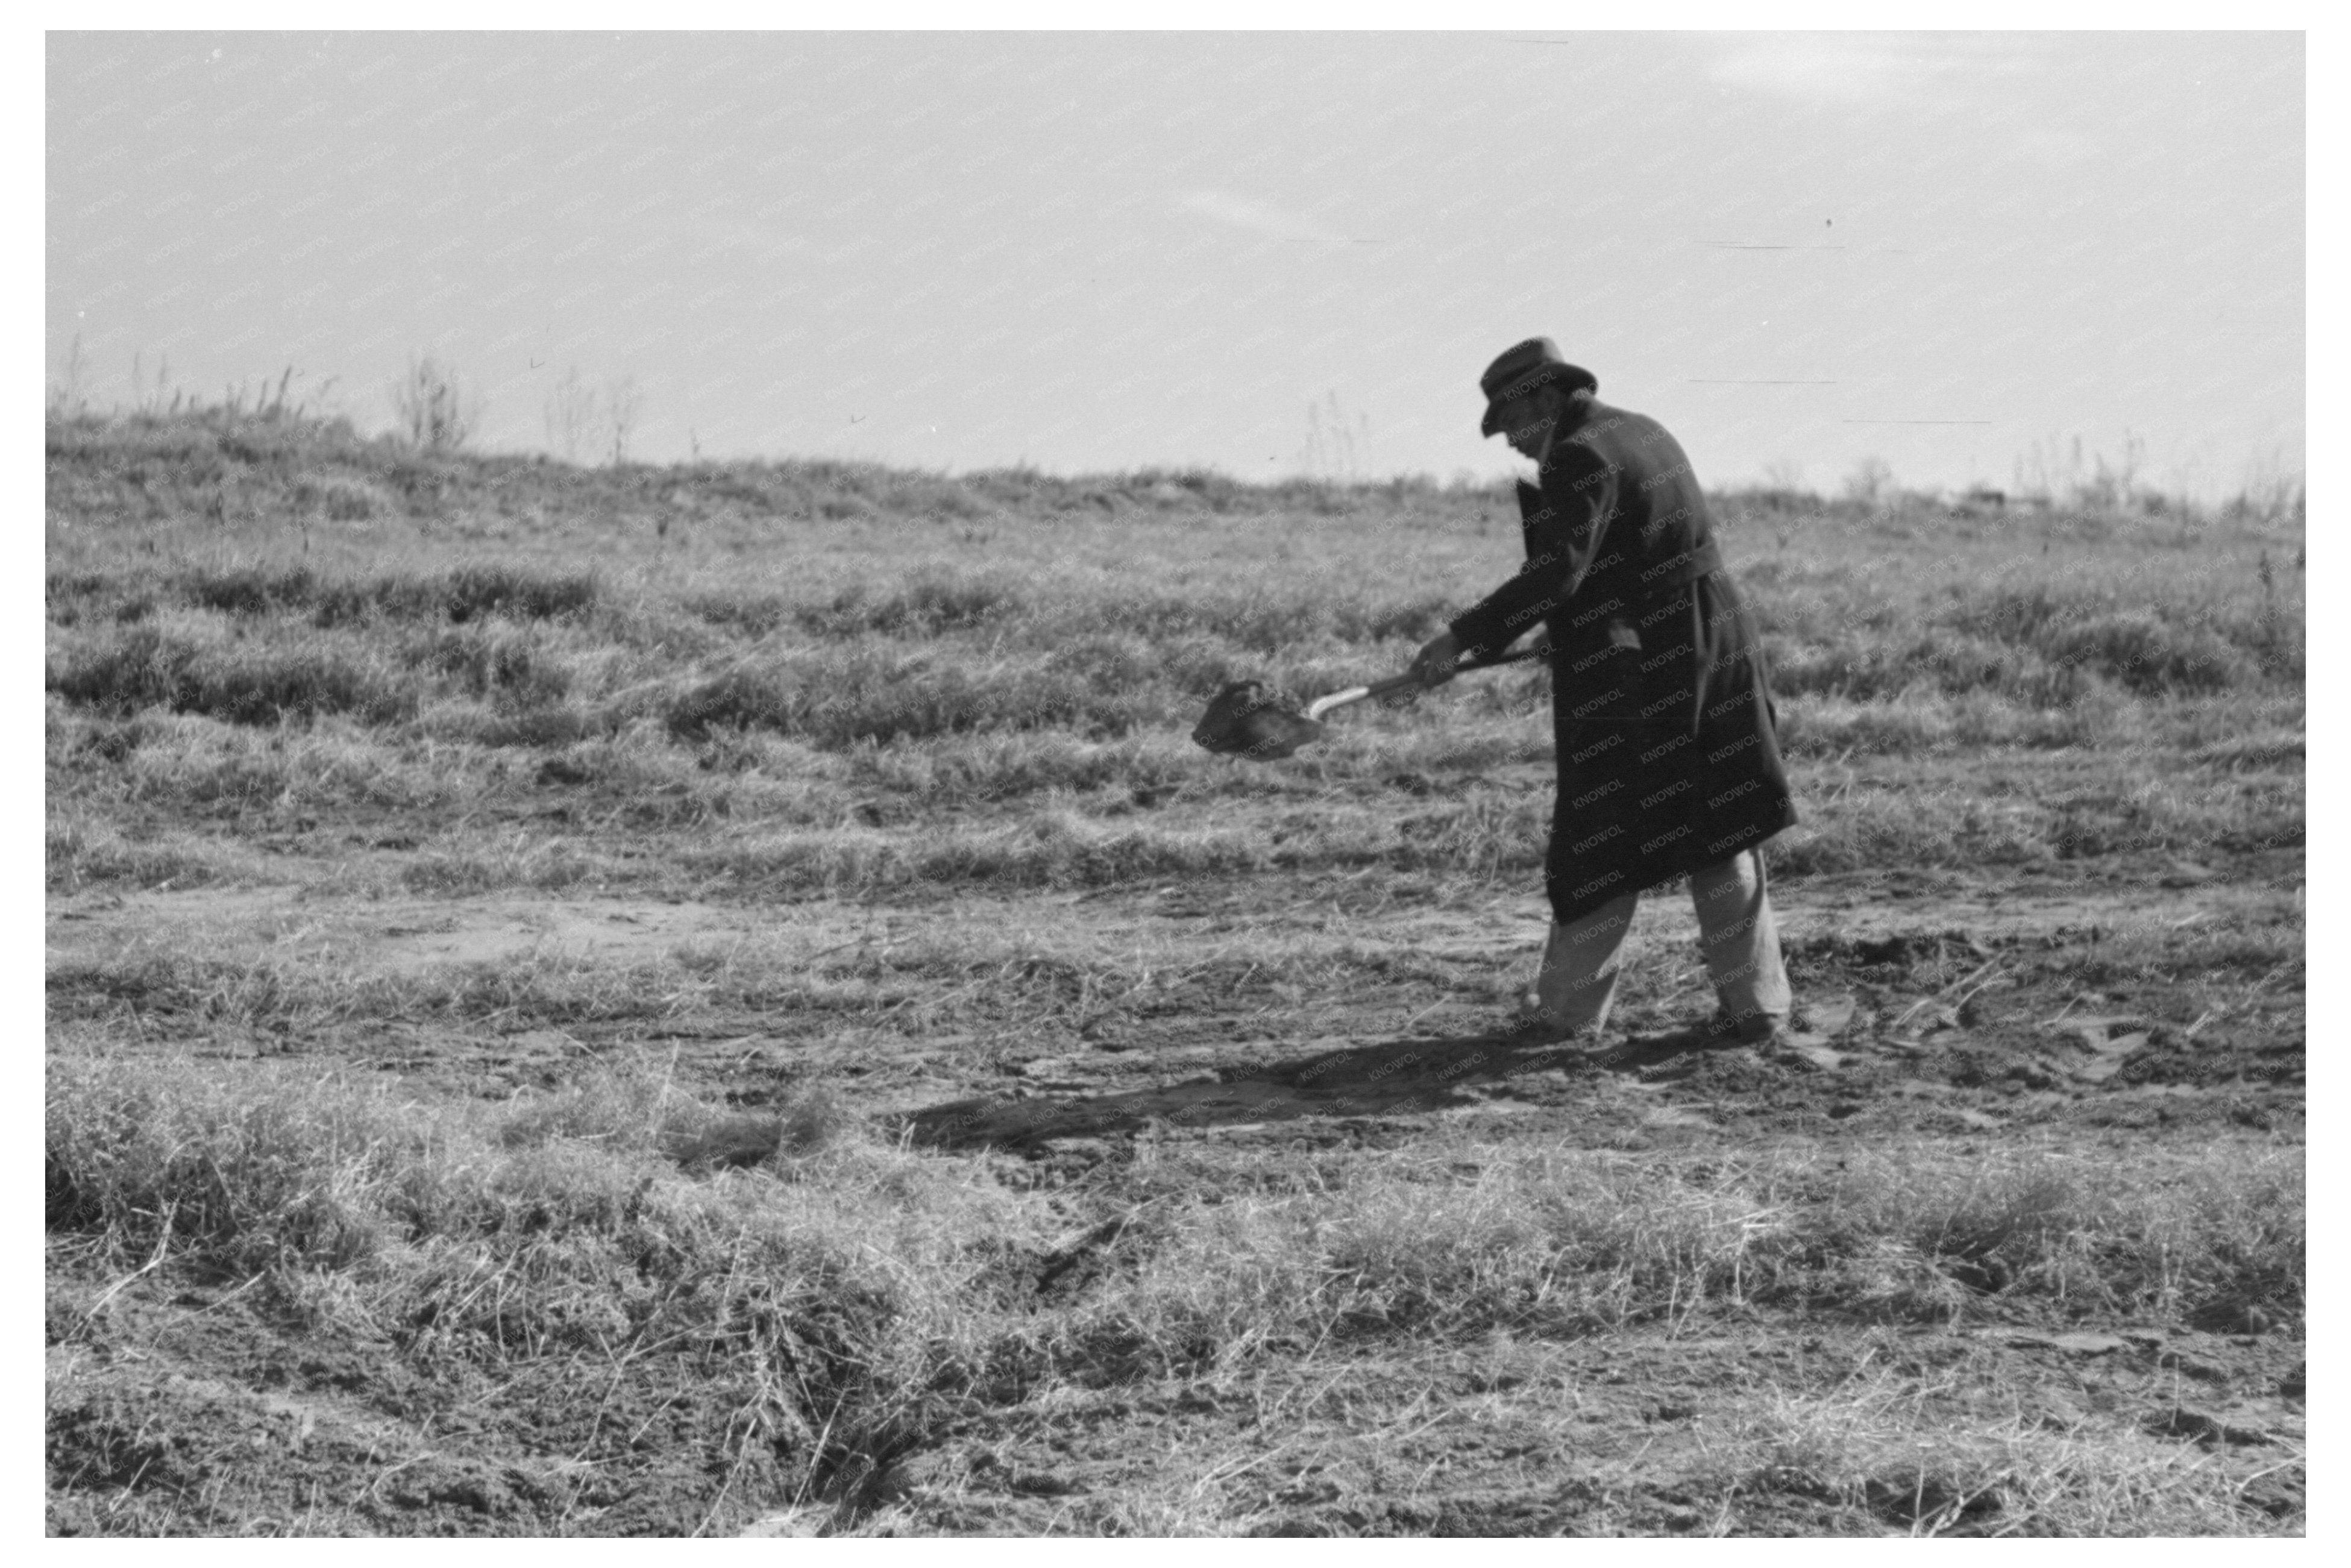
(833, 1302)
(1576, 1243)
(1887, 1456)
(813, 1308)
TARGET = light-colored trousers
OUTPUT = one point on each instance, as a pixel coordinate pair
(1736, 932)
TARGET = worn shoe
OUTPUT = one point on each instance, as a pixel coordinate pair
(1749, 1030)
(1567, 997)
(1529, 1024)
(1766, 1035)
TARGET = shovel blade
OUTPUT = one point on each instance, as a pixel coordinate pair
(1244, 720)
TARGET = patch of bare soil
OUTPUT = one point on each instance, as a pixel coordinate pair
(390, 937)
(1972, 1008)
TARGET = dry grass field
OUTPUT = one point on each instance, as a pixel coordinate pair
(722, 999)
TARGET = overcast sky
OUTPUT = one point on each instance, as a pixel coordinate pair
(1104, 252)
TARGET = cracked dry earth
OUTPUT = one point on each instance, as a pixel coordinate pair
(2037, 1013)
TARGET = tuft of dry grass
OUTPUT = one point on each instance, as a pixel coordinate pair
(857, 1296)
(1904, 1463)
(1545, 1242)
(826, 1293)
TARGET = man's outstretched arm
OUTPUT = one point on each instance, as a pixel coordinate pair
(1583, 496)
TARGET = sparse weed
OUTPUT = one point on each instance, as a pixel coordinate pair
(1911, 1464)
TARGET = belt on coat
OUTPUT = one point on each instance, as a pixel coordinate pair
(1684, 567)
(1655, 586)
(1651, 585)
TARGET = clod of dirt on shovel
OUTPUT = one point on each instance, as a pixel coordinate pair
(1245, 720)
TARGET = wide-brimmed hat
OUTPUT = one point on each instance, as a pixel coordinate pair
(1522, 368)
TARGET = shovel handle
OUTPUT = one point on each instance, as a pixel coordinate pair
(1320, 705)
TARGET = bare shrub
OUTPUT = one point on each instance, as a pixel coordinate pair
(1869, 482)
(70, 392)
(622, 402)
(431, 409)
(570, 415)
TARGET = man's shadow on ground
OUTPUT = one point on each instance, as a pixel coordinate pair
(1393, 1076)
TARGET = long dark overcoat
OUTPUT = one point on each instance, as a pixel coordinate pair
(1668, 756)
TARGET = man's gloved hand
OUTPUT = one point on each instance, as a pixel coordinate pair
(1433, 665)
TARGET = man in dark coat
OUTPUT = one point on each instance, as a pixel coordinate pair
(1668, 760)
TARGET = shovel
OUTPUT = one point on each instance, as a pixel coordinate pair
(1245, 719)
